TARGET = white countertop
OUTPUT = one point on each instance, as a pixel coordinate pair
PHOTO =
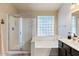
(71, 43)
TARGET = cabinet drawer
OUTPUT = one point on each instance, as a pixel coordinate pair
(67, 48)
(74, 52)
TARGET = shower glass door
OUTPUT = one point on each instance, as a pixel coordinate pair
(20, 33)
(13, 25)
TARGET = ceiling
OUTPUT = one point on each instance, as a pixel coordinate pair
(23, 7)
(75, 10)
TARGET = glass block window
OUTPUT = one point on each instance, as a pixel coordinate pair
(73, 24)
(45, 25)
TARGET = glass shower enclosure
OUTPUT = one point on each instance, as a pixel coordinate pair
(19, 33)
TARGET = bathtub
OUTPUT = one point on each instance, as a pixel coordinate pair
(44, 46)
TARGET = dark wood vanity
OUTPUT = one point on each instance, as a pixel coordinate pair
(66, 50)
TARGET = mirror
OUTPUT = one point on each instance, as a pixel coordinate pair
(75, 18)
(75, 22)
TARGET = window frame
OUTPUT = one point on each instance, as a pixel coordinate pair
(45, 35)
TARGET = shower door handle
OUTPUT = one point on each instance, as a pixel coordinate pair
(20, 33)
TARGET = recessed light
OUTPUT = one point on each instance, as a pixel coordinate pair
(73, 6)
(77, 3)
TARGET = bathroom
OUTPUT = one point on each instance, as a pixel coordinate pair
(23, 35)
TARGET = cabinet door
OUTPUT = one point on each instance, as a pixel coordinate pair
(67, 48)
(68, 54)
(74, 52)
(60, 44)
(61, 50)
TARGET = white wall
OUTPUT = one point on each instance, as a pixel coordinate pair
(6, 9)
(0, 39)
(44, 13)
(64, 20)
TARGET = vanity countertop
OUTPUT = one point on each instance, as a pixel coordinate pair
(71, 43)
